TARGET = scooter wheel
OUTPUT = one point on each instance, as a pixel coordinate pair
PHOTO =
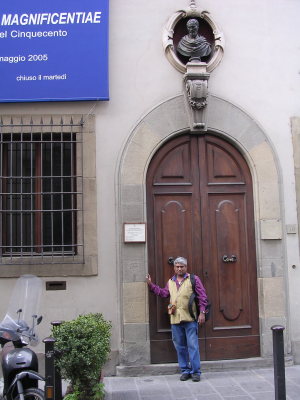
(32, 394)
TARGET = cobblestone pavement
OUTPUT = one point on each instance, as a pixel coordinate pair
(252, 384)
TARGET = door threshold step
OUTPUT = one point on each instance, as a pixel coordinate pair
(206, 366)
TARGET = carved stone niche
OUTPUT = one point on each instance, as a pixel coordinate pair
(196, 69)
(174, 30)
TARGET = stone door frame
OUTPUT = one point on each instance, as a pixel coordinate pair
(235, 125)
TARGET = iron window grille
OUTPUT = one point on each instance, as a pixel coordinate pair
(41, 193)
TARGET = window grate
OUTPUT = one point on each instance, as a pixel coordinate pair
(41, 191)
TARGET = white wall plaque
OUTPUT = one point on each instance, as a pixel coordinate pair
(135, 233)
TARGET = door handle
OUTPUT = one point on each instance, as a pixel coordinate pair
(171, 261)
(231, 259)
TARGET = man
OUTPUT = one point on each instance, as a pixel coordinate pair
(193, 45)
(184, 326)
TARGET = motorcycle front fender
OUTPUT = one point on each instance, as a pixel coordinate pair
(25, 374)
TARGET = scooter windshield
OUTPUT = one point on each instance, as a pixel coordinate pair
(24, 305)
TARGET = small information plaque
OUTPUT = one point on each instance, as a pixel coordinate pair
(135, 233)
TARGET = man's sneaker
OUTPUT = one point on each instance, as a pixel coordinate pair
(185, 377)
(195, 377)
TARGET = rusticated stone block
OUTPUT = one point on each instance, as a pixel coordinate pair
(134, 300)
(135, 354)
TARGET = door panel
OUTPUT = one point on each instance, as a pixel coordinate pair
(230, 275)
(221, 166)
(199, 204)
(175, 167)
(231, 347)
(172, 215)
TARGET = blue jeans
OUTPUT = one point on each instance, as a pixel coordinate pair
(185, 339)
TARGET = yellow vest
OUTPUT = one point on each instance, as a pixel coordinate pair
(181, 298)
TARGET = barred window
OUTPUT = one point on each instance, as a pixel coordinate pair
(41, 193)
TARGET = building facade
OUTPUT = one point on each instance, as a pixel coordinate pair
(218, 184)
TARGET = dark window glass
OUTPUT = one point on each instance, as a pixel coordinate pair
(38, 194)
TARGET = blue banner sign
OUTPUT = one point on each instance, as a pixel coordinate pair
(53, 51)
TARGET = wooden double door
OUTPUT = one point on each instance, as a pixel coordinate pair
(200, 206)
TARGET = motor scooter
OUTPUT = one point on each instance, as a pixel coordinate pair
(17, 331)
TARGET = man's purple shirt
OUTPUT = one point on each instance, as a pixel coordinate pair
(199, 289)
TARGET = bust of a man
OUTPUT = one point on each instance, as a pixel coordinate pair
(193, 45)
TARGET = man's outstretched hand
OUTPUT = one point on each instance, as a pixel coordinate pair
(148, 279)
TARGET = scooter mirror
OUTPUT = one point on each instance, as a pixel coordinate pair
(34, 341)
(39, 320)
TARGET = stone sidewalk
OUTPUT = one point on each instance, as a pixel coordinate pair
(251, 384)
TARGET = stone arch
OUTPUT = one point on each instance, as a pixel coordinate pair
(233, 124)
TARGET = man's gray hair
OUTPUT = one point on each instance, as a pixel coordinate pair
(180, 260)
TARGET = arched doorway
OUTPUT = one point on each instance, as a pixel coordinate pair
(200, 205)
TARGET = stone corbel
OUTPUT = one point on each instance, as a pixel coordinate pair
(195, 84)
